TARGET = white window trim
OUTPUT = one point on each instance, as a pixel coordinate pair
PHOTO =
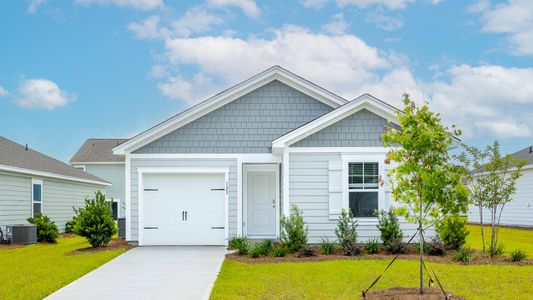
(80, 167)
(39, 182)
(346, 159)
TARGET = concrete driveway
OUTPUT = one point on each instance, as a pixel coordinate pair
(159, 272)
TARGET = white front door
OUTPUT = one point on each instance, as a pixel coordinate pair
(261, 202)
(183, 209)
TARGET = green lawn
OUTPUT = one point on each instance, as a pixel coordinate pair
(345, 279)
(510, 238)
(35, 271)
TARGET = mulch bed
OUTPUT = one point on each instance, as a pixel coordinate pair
(114, 244)
(11, 246)
(412, 255)
(401, 293)
(67, 235)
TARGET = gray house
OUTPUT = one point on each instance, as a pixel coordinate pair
(31, 182)
(96, 157)
(518, 212)
(233, 164)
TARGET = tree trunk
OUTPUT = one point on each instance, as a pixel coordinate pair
(421, 241)
(482, 229)
(493, 219)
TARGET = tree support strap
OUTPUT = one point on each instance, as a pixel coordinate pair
(434, 274)
(363, 293)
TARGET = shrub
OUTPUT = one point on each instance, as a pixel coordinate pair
(46, 228)
(305, 252)
(240, 244)
(396, 246)
(327, 246)
(389, 227)
(346, 232)
(69, 225)
(464, 254)
(452, 231)
(372, 246)
(279, 250)
(436, 247)
(255, 251)
(499, 250)
(95, 221)
(518, 255)
(294, 230)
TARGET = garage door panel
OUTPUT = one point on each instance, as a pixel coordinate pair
(167, 196)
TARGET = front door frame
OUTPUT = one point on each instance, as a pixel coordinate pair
(258, 167)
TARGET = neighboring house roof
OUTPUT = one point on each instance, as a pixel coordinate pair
(364, 101)
(227, 96)
(20, 159)
(524, 154)
(98, 151)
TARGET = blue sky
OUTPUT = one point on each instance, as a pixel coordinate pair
(76, 69)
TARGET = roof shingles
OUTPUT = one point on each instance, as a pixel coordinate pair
(98, 150)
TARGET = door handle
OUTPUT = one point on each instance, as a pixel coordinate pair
(185, 215)
(274, 203)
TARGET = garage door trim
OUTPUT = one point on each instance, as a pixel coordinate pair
(173, 170)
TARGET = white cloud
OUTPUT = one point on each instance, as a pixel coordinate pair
(3, 91)
(195, 20)
(337, 26)
(514, 18)
(34, 5)
(436, 1)
(42, 93)
(383, 21)
(200, 88)
(313, 4)
(137, 4)
(391, 4)
(249, 7)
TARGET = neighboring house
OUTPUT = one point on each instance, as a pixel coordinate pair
(518, 212)
(31, 183)
(96, 157)
(235, 163)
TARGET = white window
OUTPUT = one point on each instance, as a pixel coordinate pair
(363, 188)
(37, 197)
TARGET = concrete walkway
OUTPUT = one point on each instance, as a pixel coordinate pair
(159, 272)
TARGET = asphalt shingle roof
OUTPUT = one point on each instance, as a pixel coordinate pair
(524, 154)
(98, 150)
(16, 155)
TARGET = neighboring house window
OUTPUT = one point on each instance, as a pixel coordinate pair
(363, 188)
(115, 208)
(37, 197)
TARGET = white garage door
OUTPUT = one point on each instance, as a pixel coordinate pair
(183, 209)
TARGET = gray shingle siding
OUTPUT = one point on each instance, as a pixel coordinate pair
(247, 125)
(362, 129)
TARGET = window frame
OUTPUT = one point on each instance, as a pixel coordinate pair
(33, 183)
(362, 158)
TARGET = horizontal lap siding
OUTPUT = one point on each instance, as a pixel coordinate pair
(518, 212)
(309, 190)
(59, 198)
(114, 174)
(231, 164)
(15, 199)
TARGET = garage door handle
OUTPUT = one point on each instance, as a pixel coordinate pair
(218, 189)
(151, 227)
(151, 190)
(217, 227)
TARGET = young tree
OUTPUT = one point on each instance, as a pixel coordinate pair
(425, 180)
(492, 184)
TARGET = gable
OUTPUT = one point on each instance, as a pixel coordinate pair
(248, 124)
(361, 129)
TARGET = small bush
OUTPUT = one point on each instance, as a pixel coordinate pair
(69, 225)
(389, 227)
(240, 244)
(279, 250)
(327, 246)
(346, 232)
(46, 228)
(372, 246)
(294, 230)
(305, 252)
(436, 247)
(464, 254)
(396, 246)
(498, 251)
(518, 255)
(95, 221)
(452, 231)
(262, 248)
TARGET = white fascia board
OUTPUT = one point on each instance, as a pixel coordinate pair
(244, 157)
(225, 97)
(364, 102)
(50, 175)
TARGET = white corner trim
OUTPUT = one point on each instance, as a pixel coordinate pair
(50, 175)
(127, 170)
(286, 183)
(364, 102)
(227, 96)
